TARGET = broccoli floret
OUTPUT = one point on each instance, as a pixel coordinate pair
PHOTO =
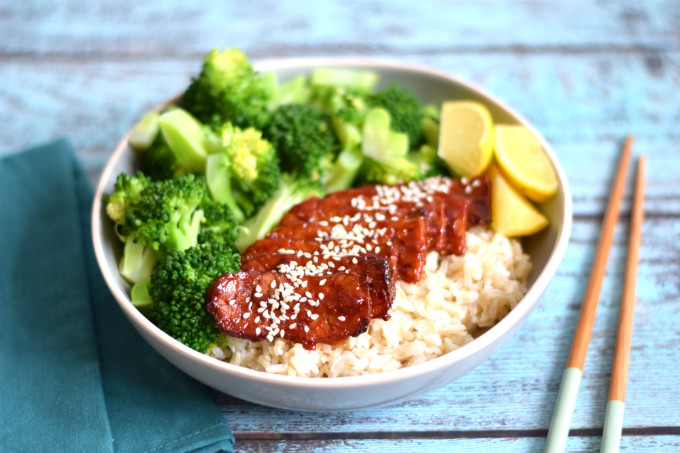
(126, 192)
(303, 138)
(166, 215)
(177, 289)
(229, 90)
(428, 162)
(218, 224)
(404, 109)
(291, 191)
(245, 174)
(159, 162)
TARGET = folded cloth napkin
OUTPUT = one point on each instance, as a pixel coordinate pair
(74, 375)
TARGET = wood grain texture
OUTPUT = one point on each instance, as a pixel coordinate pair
(468, 445)
(155, 28)
(585, 72)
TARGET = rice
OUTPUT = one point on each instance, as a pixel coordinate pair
(458, 297)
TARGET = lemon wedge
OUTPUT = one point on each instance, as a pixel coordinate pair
(466, 137)
(511, 213)
(524, 161)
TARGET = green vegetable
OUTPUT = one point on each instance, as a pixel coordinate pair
(362, 81)
(291, 191)
(139, 293)
(190, 141)
(178, 288)
(229, 90)
(245, 174)
(344, 170)
(294, 91)
(430, 124)
(159, 162)
(397, 170)
(303, 138)
(380, 143)
(404, 109)
(144, 133)
(137, 262)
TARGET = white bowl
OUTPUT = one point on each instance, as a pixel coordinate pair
(315, 394)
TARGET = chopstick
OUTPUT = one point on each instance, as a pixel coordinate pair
(613, 421)
(571, 378)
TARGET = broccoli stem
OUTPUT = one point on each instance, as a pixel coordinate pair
(137, 262)
(344, 170)
(346, 78)
(144, 132)
(139, 294)
(379, 142)
(185, 234)
(289, 193)
(186, 137)
(218, 178)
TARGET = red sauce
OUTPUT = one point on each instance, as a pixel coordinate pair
(330, 265)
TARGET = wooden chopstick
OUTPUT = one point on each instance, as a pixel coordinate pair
(566, 398)
(613, 422)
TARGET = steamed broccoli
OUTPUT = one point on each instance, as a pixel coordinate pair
(189, 140)
(291, 191)
(145, 132)
(218, 224)
(245, 174)
(126, 192)
(153, 217)
(177, 289)
(159, 162)
(396, 171)
(229, 90)
(428, 162)
(303, 138)
(404, 109)
(138, 258)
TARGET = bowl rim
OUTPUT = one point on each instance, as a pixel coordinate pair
(515, 316)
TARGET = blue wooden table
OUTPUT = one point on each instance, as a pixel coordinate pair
(585, 72)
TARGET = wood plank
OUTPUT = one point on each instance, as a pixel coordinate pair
(629, 443)
(152, 29)
(528, 393)
(584, 105)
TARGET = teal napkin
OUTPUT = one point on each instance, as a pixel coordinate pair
(74, 375)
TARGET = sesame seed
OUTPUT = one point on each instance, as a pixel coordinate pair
(321, 296)
(341, 318)
(292, 326)
(246, 315)
(258, 289)
(322, 282)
